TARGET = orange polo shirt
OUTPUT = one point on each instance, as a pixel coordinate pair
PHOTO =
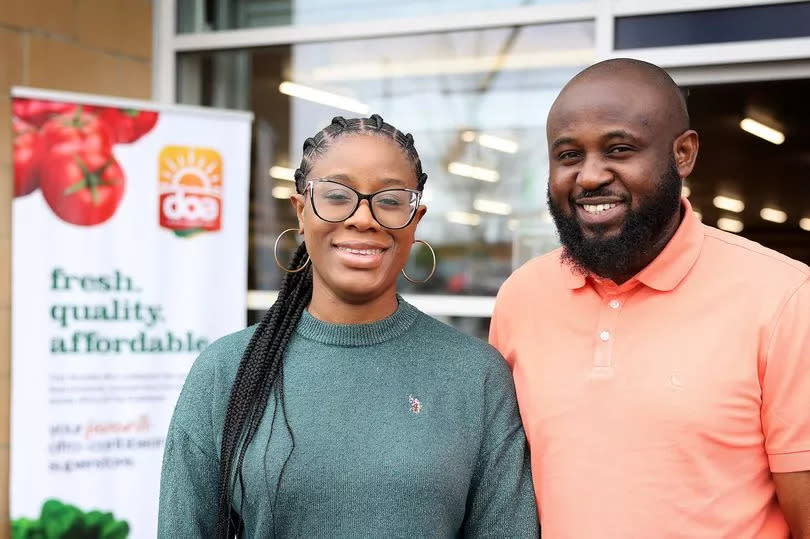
(659, 408)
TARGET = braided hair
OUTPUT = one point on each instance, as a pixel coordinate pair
(261, 370)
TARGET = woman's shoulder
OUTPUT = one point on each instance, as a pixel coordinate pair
(452, 344)
(219, 362)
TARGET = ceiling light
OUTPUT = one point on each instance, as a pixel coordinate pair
(324, 98)
(282, 191)
(685, 191)
(728, 203)
(730, 225)
(698, 215)
(804, 224)
(492, 206)
(498, 143)
(469, 171)
(491, 141)
(463, 218)
(762, 131)
(773, 215)
(282, 173)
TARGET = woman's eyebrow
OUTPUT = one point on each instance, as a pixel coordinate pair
(392, 181)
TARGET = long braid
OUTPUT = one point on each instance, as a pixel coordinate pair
(261, 371)
(251, 386)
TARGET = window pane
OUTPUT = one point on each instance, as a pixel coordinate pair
(748, 23)
(197, 16)
(476, 103)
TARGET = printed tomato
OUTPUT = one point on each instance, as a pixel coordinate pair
(73, 132)
(82, 189)
(25, 140)
(128, 125)
(36, 111)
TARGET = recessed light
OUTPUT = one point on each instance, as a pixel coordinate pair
(282, 173)
(730, 225)
(463, 218)
(492, 206)
(470, 171)
(762, 131)
(315, 95)
(282, 191)
(773, 215)
(728, 203)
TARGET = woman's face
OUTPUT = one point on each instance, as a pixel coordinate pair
(358, 260)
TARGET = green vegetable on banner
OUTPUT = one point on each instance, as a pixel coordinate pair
(59, 520)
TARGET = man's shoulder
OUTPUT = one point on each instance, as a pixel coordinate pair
(739, 254)
(540, 273)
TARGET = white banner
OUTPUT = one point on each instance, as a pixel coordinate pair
(129, 256)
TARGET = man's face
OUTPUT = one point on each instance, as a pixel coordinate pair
(614, 187)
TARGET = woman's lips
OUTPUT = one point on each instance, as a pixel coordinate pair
(360, 256)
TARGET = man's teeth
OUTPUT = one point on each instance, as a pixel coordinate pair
(598, 208)
(361, 251)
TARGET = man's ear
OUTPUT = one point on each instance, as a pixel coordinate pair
(685, 150)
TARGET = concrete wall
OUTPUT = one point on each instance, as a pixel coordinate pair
(93, 46)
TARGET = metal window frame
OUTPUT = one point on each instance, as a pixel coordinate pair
(692, 64)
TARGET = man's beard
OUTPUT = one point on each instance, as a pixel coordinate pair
(621, 254)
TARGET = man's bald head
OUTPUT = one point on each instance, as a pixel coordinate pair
(644, 74)
(619, 148)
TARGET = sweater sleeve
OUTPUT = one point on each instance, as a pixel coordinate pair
(501, 500)
(188, 489)
(190, 474)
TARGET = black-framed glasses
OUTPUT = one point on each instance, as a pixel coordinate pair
(334, 202)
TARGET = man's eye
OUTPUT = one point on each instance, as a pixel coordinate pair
(567, 155)
(619, 149)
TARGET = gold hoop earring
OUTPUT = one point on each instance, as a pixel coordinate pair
(275, 255)
(432, 270)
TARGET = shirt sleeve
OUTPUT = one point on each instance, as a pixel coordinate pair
(497, 337)
(493, 327)
(786, 386)
(501, 499)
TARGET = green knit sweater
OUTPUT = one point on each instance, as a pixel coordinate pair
(404, 427)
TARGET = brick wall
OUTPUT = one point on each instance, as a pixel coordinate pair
(92, 46)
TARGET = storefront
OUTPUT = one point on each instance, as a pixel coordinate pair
(473, 82)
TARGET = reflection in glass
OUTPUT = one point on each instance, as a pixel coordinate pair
(196, 16)
(475, 102)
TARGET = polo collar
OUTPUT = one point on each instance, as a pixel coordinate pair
(671, 265)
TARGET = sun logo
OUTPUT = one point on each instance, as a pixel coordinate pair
(190, 189)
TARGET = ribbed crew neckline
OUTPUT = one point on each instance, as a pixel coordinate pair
(358, 334)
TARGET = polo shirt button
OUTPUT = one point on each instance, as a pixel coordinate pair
(615, 304)
(604, 336)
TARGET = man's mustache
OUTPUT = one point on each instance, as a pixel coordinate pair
(602, 192)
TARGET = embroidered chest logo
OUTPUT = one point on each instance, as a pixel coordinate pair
(416, 404)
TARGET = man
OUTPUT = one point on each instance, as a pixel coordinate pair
(662, 366)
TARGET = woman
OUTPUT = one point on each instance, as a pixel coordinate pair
(346, 412)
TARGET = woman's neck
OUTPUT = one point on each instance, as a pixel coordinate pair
(327, 306)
